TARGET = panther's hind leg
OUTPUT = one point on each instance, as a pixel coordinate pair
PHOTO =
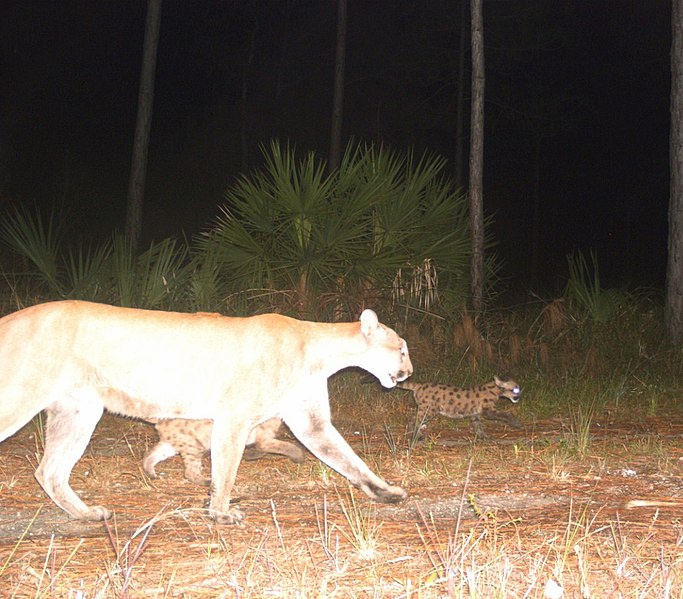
(70, 424)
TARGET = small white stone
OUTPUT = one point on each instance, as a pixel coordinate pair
(552, 590)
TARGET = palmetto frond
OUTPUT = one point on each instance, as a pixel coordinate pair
(335, 238)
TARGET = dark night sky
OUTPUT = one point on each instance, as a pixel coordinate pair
(589, 78)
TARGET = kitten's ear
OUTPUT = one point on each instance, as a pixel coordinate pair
(497, 381)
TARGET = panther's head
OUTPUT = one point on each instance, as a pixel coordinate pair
(508, 389)
(386, 354)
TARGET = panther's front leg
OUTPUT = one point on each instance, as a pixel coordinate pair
(316, 432)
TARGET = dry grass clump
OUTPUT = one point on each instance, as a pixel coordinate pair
(555, 317)
(468, 339)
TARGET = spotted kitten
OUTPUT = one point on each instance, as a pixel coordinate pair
(463, 402)
(192, 440)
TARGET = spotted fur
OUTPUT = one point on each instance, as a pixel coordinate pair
(192, 440)
(463, 402)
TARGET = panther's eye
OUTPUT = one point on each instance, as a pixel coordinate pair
(516, 390)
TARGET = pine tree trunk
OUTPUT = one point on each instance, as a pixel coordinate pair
(138, 171)
(460, 102)
(338, 100)
(477, 157)
(673, 313)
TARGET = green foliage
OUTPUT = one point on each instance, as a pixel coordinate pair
(39, 242)
(324, 245)
(385, 229)
(83, 272)
(586, 293)
(109, 272)
(157, 278)
(206, 289)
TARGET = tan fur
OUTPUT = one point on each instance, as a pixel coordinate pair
(74, 359)
(192, 439)
(463, 402)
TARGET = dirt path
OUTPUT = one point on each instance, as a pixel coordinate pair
(525, 489)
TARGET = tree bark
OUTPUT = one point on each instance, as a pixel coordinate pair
(338, 100)
(138, 171)
(477, 157)
(673, 311)
(460, 102)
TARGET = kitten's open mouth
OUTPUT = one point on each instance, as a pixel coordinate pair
(513, 397)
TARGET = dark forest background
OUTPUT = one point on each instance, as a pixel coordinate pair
(577, 98)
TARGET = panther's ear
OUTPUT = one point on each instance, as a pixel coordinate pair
(369, 324)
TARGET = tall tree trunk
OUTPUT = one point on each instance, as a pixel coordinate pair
(338, 100)
(673, 313)
(138, 171)
(460, 101)
(477, 157)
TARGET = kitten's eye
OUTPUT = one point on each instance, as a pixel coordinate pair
(516, 390)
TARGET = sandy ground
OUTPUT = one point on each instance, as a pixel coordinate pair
(525, 486)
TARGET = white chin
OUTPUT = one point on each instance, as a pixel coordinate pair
(387, 381)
